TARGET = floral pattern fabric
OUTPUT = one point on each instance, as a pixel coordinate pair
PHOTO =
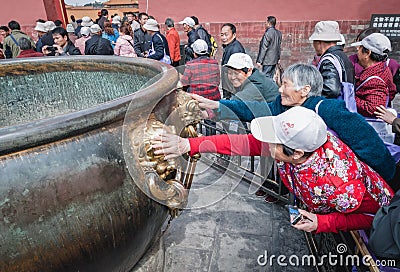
(334, 179)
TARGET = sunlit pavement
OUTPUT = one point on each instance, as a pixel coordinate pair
(228, 235)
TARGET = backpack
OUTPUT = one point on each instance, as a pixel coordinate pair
(214, 46)
(384, 239)
(347, 93)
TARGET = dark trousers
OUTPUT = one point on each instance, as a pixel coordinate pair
(269, 70)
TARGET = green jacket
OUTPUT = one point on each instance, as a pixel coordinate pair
(257, 87)
(17, 34)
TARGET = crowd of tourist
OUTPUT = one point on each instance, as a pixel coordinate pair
(308, 124)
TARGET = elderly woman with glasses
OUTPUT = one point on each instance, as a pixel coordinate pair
(302, 86)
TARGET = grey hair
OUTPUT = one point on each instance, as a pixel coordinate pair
(24, 43)
(304, 74)
(169, 22)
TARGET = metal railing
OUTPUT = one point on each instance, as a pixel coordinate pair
(253, 167)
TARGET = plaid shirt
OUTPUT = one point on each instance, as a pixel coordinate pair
(375, 91)
(202, 75)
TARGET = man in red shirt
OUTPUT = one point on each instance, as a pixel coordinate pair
(202, 76)
(174, 42)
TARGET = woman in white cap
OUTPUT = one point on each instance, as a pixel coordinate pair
(340, 192)
(85, 35)
(159, 44)
(71, 33)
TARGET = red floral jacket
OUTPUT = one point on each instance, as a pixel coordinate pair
(343, 191)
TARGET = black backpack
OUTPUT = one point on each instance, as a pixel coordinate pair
(384, 239)
(396, 80)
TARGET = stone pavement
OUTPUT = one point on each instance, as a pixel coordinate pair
(226, 228)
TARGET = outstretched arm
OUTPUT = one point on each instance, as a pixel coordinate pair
(173, 146)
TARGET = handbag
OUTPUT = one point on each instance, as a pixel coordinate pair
(347, 93)
(166, 59)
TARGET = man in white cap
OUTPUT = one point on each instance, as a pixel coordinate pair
(334, 66)
(41, 31)
(202, 76)
(47, 39)
(188, 26)
(98, 45)
(339, 191)
(142, 39)
(249, 83)
(159, 44)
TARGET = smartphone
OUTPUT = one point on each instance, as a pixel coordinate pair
(294, 215)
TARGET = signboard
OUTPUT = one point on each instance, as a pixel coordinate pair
(389, 24)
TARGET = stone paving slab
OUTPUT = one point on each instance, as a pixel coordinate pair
(231, 233)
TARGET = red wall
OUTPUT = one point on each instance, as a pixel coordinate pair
(257, 10)
(27, 13)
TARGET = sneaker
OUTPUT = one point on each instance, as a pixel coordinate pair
(270, 199)
(260, 193)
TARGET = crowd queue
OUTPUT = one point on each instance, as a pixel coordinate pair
(329, 125)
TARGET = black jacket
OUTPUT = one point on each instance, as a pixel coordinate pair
(205, 36)
(98, 46)
(332, 85)
(234, 47)
(70, 49)
(269, 52)
(192, 37)
(159, 43)
(142, 42)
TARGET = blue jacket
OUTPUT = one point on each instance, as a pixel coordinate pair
(160, 46)
(351, 128)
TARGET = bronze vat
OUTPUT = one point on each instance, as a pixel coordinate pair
(67, 200)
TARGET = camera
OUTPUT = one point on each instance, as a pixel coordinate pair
(51, 48)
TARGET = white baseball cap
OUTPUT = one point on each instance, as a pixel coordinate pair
(200, 47)
(240, 61)
(189, 21)
(297, 128)
(376, 42)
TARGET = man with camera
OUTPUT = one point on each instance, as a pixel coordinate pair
(62, 45)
